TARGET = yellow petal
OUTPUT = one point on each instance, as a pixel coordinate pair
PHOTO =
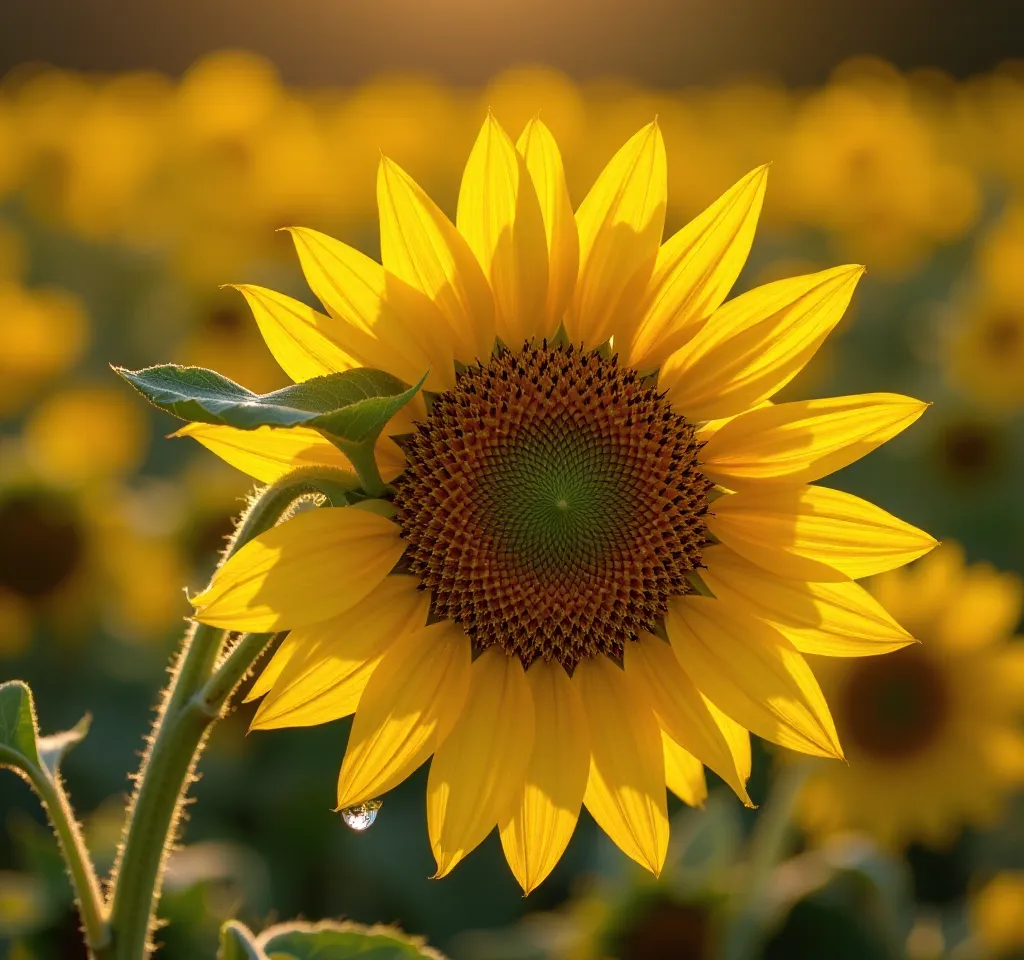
(679, 708)
(755, 344)
(684, 773)
(309, 568)
(620, 225)
(412, 699)
(830, 619)
(268, 453)
(537, 830)
(268, 676)
(386, 323)
(806, 440)
(421, 246)
(752, 673)
(478, 771)
(695, 271)
(500, 217)
(626, 787)
(814, 533)
(298, 337)
(544, 163)
(737, 737)
(325, 678)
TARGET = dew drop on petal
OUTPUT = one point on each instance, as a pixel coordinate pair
(361, 816)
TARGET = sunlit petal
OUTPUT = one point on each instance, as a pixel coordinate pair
(413, 697)
(477, 773)
(537, 830)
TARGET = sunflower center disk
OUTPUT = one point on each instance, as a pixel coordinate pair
(552, 504)
(896, 704)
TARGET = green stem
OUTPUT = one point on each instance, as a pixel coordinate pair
(364, 462)
(83, 874)
(231, 671)
(179, 734)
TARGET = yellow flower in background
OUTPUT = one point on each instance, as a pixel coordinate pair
(866, 165)
(45, 332)
(997, 917)
(85, 434)
(553, 508)
(78, 547)
(932, 733)
(986, 353)
(986, 350)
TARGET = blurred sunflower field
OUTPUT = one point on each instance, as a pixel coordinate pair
(128, 201)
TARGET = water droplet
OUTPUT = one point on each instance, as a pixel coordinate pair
(361, 816)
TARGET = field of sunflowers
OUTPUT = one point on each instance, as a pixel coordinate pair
(130, 207)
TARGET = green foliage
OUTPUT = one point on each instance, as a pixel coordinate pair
(237, 943)
(21, 747)
(321, 941)
(351, 407)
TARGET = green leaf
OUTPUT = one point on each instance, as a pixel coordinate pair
(18, 731)
(54, 748)
(21, 747)
(340, 941)
(351, 407)
(238, 943)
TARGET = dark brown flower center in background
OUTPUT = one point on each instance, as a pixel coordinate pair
(41, 544)
(895, 705)
(552, 504)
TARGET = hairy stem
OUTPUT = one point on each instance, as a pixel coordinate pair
(364, 461)
(186, 714)
(80, 867)
(231, 671)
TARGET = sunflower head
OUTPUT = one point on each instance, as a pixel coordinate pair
(605, 553)
(930, 730)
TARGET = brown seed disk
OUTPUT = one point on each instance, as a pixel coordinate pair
(552, 504)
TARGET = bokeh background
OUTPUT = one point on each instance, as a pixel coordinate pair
(149, 152)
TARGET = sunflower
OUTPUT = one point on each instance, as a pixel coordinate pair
(997, 918)
(931, 732)
(593, 454)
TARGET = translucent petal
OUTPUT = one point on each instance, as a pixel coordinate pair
(684, 773)
(268, 453)
(299, 338)
(478, 771)
(334, 660)
(620, 225)
(274, 668)
(626, 788)
(310, 568)
(830, 619)
(537, 830)
(814, 533)
(695, 271)
(679, 708)
(414, 696)
(752, 673)
(500, 217)
(421, 246)
(738, 738)
(386, 323)
(755, 344)
(544, 163)
(805, 440)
